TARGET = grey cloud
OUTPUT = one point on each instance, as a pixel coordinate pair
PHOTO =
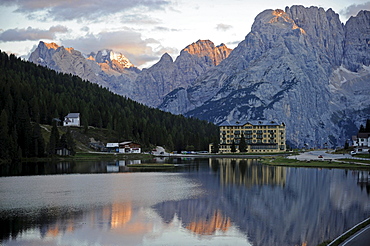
(85, 29)
(128, 42)
(58, 28)
(170, 50)
(233, 43)
(139, 19)
(31, 33)
(223, 27)
(165, 29)
(353, 9)
(83, 9)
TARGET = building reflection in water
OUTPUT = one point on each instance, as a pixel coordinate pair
(215, 212)
(363, 180)
(248, 172)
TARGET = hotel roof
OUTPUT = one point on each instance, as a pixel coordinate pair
(252, 122)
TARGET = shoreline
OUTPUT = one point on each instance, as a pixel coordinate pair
(306, 159)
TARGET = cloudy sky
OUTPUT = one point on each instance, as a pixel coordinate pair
(142, 30)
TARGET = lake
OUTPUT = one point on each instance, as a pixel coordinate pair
(202, 201)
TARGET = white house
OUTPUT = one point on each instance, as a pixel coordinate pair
(72, 119)
(362, 140)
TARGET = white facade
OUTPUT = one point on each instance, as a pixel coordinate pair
(112, 145)
(72, 119)
(362, 140)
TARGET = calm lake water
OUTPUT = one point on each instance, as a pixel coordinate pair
(200, 202)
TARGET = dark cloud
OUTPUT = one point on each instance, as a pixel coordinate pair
(83, 9)
(128, 42)
(31, 33)
(353, 9)
(223, 27)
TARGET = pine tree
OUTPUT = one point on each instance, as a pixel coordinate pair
(346, 145)
(215, 147)
(233, 148)
(367, 128)
(4, 136)
(53, 140)
(71, 145)
(362, 128)
(38, 144)
(24, 129)
(242, 144)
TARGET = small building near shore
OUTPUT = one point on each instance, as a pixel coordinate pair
(112, 147)
(124, 147)
(129, 147)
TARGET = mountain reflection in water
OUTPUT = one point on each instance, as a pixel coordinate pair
(205, 202)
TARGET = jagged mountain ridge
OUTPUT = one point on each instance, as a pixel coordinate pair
(110, 70)
(301, 66)
(117, 73)
(154, 83)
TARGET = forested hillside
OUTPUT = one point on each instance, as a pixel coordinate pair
(31, 95)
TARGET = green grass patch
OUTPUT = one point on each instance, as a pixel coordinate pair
(109, 156)
(152, 165)
(362, 155)
(85, 156)
(281, 161)
(356, 160)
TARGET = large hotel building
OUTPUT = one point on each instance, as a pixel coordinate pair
(260, 136)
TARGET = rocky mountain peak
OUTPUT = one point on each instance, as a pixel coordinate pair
(279, 16)
(200, 47)
(49, 45)
(166, 58)
(111, 63)
(282, 19)
(274, 19)
(108, 56)
(206, 48)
